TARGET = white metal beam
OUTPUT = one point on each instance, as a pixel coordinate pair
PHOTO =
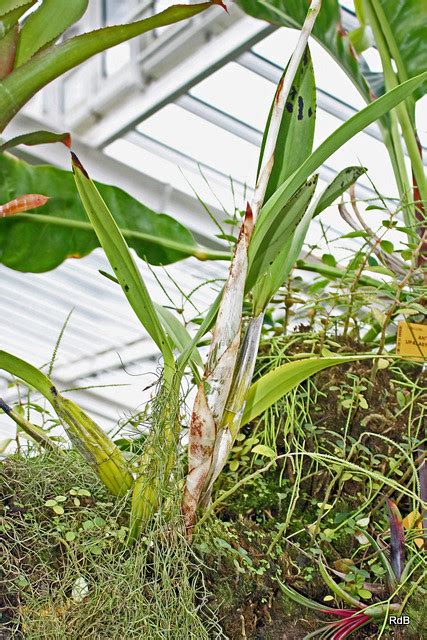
(141, 103)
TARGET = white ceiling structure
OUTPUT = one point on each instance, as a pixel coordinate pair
(167, 116)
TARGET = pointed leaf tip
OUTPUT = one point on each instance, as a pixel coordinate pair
(248, 222)
(77, 164)
(67, 140)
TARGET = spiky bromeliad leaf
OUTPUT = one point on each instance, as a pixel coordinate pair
(64, 226)
(120, 259)
(46, 24)
(10, 12)
(92, 442)
(20, 85)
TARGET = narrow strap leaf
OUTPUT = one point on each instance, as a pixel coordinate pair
(120, 258)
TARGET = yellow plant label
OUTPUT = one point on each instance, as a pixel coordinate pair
(412, 341)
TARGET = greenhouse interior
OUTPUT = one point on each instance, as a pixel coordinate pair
(213, 251)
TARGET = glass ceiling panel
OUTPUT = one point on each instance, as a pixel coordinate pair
(180, 175)
(239, 92)
(203, 141)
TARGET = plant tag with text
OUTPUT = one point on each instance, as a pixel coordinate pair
(412, 341)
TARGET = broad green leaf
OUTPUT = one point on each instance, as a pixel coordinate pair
(296, 133)
(46, 24)
(342, 181)
(120, 259)
(277, 383)
(36, 137)
(263, 450)
(54, 61)
(267, 241)
(289, 251)
(64, 227)
(271, 212)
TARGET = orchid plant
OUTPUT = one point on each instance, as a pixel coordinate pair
(269, 242)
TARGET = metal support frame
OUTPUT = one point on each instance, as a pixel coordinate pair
(141, 103)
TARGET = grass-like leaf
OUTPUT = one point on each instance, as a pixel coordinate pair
(121, 260)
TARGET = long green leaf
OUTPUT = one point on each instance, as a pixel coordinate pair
(277, 383)
(271, 212)
(51, 63)
(66, 231)
(46, 24)
(296, 133)
(120, 259)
